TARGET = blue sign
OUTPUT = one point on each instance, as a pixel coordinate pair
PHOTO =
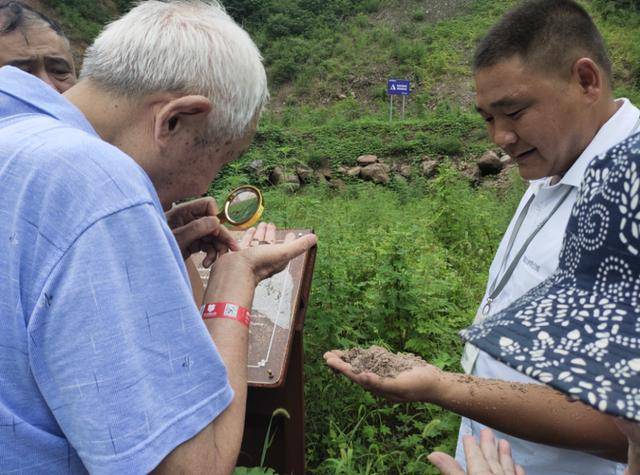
(398, 87)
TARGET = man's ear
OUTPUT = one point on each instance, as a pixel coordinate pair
(590, 78)
(172, 117)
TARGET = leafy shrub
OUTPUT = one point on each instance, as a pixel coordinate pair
(419, 15)
(404, 269)
(447, 145)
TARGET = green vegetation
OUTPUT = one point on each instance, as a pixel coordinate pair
(402, 266)
(82, 20)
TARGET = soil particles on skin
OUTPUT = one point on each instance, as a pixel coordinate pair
(381, 361)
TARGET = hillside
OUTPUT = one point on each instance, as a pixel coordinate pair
(402, 265)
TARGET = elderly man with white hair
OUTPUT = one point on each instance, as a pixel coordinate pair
(106, 365)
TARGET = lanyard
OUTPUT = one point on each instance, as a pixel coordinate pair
(496, 287)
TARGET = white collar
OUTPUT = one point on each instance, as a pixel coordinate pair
(615, 130)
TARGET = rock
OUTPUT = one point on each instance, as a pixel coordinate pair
(429, 168)
(367, 159)
(489, 164)
(471, 172)
(342, 96)
(506, 160)
(337, 184)
(256, 165)
(404, 170)
(292, 182)
(277, 176)
(325, 172)
(353, 171)
(319, 176)
(376, 172)
(256, 168)
(305, 174)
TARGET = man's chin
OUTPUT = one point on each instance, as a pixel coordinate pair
(529, 173)
(529, 166)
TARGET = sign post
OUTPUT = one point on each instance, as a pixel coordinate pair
(398, 87)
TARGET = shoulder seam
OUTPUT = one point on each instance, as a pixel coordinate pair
(78, 235)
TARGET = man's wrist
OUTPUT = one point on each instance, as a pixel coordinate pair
(227, 310)
(438, 392)
(231, 280)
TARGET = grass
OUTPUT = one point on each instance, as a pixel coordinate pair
(402, 266)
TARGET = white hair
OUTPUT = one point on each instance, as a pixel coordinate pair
(187, 46)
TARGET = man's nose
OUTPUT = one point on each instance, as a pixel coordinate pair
(503, 135)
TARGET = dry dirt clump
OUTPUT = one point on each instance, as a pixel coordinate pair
(380, 361)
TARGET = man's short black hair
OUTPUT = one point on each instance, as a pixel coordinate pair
(549, 34)
(17, 15)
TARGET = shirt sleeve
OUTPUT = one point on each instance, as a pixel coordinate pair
(118, 349)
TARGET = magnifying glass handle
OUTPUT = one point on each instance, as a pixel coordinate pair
(222, 217)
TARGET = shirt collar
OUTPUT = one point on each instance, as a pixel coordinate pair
(41, 97)
(615, 130)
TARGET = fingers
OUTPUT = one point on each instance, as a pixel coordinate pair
(505, 458)
(446, 464)
(297, 246)
(184, 213)
(223, 239)
(269, 260)
(192, 231)
(206, 206)
(202, 233)
(486, 458)
(265, 233)
(270, 233)
(261, 231)
(334, 360)
(210, 258)
(369, 381)
(247, 238)
(490, 450)
(473, 454)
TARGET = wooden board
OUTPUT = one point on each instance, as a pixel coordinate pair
(278, 308)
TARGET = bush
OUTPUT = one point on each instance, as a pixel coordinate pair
(404, 269)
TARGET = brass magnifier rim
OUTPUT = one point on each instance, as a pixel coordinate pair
(256, 215)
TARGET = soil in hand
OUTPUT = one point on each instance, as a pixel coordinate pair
(380, 361)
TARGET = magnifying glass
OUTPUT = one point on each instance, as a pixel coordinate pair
(243, 208)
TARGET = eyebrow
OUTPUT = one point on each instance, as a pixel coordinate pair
(57, 61)
(504, 103)
(21, 62)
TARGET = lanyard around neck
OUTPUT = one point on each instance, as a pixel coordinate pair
(496, 287)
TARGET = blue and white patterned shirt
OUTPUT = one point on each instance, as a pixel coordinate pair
(105, 364)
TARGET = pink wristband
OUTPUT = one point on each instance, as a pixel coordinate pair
(226, 310)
